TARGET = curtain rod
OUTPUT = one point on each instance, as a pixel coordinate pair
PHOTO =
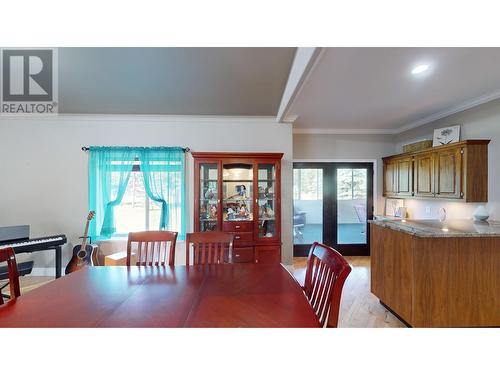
(185, 149)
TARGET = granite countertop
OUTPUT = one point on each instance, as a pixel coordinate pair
(447, 228)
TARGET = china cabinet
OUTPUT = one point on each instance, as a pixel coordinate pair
(240, 193)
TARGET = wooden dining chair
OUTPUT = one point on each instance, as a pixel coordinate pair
(209, 247)
(151, 248)
(326, 272)
(8, 255)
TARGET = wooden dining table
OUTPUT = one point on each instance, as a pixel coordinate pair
(229, 295)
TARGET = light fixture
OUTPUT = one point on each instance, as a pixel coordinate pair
(420, 69)
(445, 229)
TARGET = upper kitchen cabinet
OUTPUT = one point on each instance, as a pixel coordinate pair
(398, 176)
(456, 171)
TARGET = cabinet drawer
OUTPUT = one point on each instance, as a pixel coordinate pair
(243, 237)
(245, 226)
(243, 255)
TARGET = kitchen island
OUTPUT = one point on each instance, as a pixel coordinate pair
(437, 274)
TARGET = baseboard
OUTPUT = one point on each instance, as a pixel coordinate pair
(44, 271)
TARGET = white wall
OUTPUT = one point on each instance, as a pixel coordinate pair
(481, 122)
(43, 171)
(356, 147)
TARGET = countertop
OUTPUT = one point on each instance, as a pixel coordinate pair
(447, 228)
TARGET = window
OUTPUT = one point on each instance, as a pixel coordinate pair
(351, 184)
(136, 212)
(308, 184)
(134, 189)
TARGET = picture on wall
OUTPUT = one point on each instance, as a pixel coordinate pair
(445, 136)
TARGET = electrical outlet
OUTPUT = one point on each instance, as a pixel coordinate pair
(427, 210)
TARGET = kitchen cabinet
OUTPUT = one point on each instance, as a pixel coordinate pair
(457, 171)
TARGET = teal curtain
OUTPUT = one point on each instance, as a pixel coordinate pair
(109, 172)
(164, 183)
(163, 172)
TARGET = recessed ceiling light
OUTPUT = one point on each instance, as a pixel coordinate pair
(420, 69)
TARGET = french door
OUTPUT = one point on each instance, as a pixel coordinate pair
(331, 204)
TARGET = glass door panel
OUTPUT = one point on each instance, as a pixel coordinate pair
(266, 199)
(307, 205)
(237, 188)
(351, 205)
(332, 202)
(209, 197)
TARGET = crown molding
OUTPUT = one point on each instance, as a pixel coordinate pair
(144, 118)
(415, 124)
(468, 104)
(342, 131)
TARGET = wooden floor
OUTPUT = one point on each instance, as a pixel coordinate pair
(358, 307)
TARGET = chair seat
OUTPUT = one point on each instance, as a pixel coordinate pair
(23, 268)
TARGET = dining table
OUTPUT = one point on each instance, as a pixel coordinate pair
(224, 295)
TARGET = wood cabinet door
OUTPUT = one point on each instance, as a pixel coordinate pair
(424, 175)
(390, 173)
(449, 173)
(405, 176)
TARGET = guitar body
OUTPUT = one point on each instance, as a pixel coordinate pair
(80, 259)
(85, 254)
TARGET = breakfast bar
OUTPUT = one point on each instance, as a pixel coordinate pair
(433, 273)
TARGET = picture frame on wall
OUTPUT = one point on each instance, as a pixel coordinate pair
(446, 136)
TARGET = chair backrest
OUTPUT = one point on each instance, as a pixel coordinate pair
(151, 248)
(8, 255)
(209, 247)
(326, 273)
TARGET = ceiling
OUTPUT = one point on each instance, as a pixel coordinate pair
(372, 90)
(173, 81)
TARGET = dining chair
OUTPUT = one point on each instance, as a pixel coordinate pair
(8, 255)
(326, 272)
(151, 248)
(209, 247)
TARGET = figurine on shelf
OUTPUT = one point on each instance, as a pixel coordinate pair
(265, 211)
(203, 213)
(241, 192)
(209, 194)
(230, 214)
(213, 212)
(269, 192)
(243, 210)
(262, 192)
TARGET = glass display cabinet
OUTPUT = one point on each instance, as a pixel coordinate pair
(240, 193)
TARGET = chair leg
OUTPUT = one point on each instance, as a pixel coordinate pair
(3, 294)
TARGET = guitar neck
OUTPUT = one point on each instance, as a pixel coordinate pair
(85, 234)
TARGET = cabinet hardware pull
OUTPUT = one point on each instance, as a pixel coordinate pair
(237, 226)
(237, 255)
(237, 237)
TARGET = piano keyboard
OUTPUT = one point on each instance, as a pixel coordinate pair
(33, 242)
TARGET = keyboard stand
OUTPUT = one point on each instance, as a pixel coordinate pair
(58, 261)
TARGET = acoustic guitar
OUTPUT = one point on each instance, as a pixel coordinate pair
(85, 254)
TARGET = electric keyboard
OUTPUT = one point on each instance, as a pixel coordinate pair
(34, 244)
(17, 237)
